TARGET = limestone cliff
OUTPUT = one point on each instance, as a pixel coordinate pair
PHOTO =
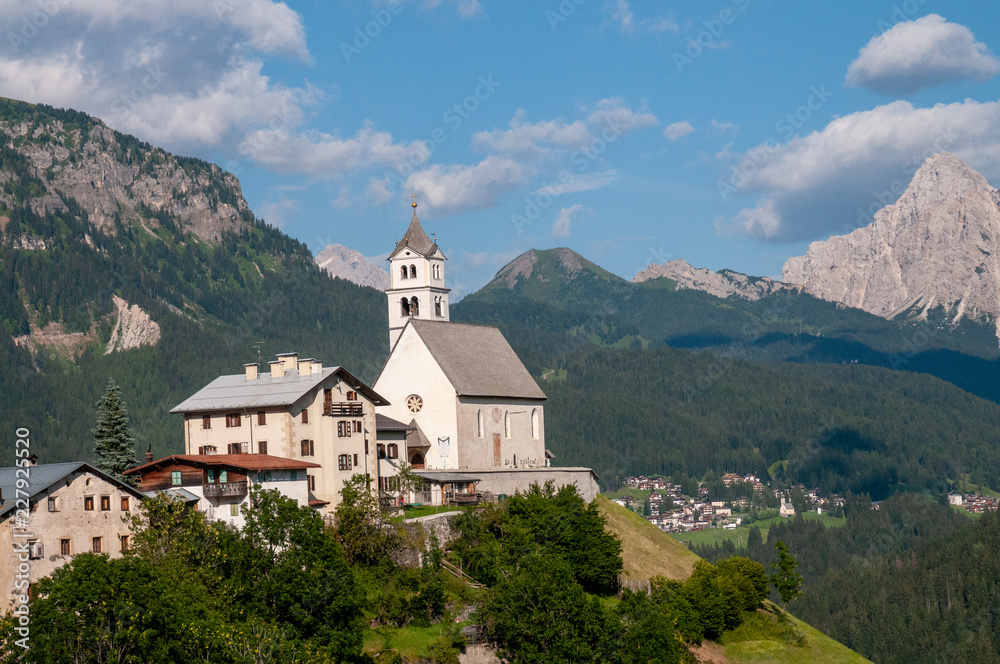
(721, 284)
(349, 264)
(937, 246)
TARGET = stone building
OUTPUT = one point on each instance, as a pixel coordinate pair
(68, 509)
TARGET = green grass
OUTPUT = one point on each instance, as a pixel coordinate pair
(410, 642)
(413, 511)
(766, 636)
(647, 551)
(739, 536)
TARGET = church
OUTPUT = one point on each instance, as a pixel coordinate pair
(473, 413)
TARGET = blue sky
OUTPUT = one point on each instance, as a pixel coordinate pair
(729, 133)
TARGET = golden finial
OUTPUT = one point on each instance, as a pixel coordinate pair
(413, 197)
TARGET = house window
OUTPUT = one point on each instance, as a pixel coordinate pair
(307, 448)
(393, 451)
(305, 416)
(105, 503)
(480, 424)
(344, 462)
(88, 503)
(175, 478)
(413, 272)
(261, 418)
(506, 425)
(534, 423)
(381, 451)
(53, 505)
(355, 459)
(36, 550)
(312, 482)
(352, 396)
(207, 449)
(125, 505)
(344, 429)
(64, 548)
(123, 539)
(223, 478)
(96, 545)
(262, 447)
(233, 420)
(357, 426)
(234, 509)
(206, 421)
(293, 475)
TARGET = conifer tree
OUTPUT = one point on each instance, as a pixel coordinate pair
(785, 579)
(113, 436)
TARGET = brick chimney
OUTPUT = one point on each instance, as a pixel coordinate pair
(289, 361)
(251, 369)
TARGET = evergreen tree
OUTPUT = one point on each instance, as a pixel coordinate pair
(785, 579)
(113, 436)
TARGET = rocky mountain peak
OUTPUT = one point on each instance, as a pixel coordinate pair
(720, 284)
(340, 261)
(936, 246)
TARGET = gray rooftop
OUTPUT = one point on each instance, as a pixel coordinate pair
(43, 477)
(416, 239)
(234, 392)
(477, 360)
(386, 423)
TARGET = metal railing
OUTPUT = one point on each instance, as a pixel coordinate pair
(350, 409)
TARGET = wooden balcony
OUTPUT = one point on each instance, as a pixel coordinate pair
(225, 489)
(348, 409)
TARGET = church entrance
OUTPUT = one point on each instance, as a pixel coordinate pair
(496, 449)
(417, 461)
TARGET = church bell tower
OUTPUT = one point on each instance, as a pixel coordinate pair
(416, 274)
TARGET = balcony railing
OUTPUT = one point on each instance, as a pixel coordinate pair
(223, 489)
(349, 409)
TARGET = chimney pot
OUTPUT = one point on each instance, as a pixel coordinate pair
(251, 370)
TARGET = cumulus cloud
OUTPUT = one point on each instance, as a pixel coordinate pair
(456, 188)
(179, 74)
(833, 180)
(919, 54)
(318, 153)
(677, 130)
(541, 138)
(566, 216)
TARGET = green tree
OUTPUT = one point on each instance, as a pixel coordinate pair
(785, 579)
(362, 527)
(113, 436)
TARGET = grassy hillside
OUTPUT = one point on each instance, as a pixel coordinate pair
(647, 551)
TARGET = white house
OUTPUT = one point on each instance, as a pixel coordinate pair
(298, 410)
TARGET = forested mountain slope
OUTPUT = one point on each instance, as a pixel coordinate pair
(120, 260)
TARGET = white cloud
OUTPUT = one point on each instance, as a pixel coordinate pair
(833, 180)
(621, 14)
(452, 189)
(322, 154)
(540, 138)
(918, 54)
(660, 24)
(566, 216)
(677, 130)
(724, 126)
(279, 213)
(465, 8)
(579, 182)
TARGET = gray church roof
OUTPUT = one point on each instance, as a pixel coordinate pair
(477, 360)
(42, 477)
(415, 238)
(234, 392)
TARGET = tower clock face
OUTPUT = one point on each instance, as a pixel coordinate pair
(414, 403)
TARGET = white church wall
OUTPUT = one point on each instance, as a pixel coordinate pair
(520, 449)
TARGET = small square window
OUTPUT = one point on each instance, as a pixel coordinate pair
(53, 505)
(175, 478)
(261, 418)
(125, 505)
(64, 548)
(96, 545)
(105, 503)
(233, 420)
(234, 509)
(206, 421)
(305, 416)
(262, 447)
(88, 503)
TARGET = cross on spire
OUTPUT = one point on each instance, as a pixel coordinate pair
(414, 197)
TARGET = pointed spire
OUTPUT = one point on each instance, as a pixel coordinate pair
(415, 238)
